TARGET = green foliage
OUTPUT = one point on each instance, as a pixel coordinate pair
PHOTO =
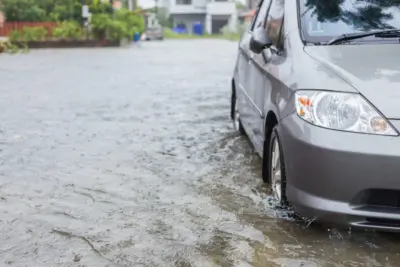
(99, 24)
(133, 21)
(67, 11)
(23, 10)
(118, 30)
(9, 47)
(101, 8)
(170, 34)
(15, 36)
(28, 34)
(68, 30)
(123, 24)
(104, 22)
(34, 33)
(49, 10)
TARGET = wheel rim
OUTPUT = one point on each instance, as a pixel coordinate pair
(276, 174)
(236, 116)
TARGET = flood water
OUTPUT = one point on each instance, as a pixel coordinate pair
(127, 157)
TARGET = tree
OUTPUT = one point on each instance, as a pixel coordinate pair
(23, 10)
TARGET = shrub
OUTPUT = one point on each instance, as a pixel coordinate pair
(118, 30)
(99, 25)
(34, 33)
(15, 36)
(122, 25)
(4, 44)
(9, 47)
(133, 20)
(28, 34)
(68, 30)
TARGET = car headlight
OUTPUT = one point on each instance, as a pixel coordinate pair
(341, 111)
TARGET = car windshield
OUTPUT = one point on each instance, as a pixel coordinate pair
(321, 20)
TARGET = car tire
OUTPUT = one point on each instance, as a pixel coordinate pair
(274, 167)
(235, 115)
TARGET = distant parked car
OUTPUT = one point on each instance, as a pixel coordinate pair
(316, 88)
(154, 33)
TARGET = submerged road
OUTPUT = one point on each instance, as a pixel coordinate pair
(127, 157)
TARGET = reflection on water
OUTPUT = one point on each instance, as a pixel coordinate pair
(107, 173)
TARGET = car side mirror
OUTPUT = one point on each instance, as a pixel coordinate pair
(259, 40)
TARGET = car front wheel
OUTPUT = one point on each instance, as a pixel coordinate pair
(276, 171)
(237, 124)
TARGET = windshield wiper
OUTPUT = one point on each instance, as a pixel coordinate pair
(353, 36)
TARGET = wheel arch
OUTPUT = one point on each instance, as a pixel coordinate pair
(233, 97)
(271, 120)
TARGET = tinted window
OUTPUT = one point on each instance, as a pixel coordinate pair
(275, 21)
(260, 19)
(322, 20)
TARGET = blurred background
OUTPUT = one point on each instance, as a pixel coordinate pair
(115, 20)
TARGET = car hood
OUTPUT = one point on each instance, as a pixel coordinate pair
(373, 70)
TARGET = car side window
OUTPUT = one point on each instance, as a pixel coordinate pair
(274, 24)
(261, 14)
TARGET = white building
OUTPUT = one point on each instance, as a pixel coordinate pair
(212, 14)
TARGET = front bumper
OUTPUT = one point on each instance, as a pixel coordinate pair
(341, 177)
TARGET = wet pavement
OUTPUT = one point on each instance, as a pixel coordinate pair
(127, 157)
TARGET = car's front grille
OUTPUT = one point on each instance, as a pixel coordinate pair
(377, 204)
(383, 222)
(383, 198)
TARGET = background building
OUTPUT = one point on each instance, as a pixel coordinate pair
(213, 14)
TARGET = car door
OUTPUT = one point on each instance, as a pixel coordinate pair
(249, 111)
(241, 78)
(264, 64)
(242, 73)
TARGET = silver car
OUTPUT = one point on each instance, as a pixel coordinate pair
(154, 33)
(316, 88)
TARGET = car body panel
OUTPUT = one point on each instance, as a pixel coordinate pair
(371, 68)
(243, 71)
(328, 170)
